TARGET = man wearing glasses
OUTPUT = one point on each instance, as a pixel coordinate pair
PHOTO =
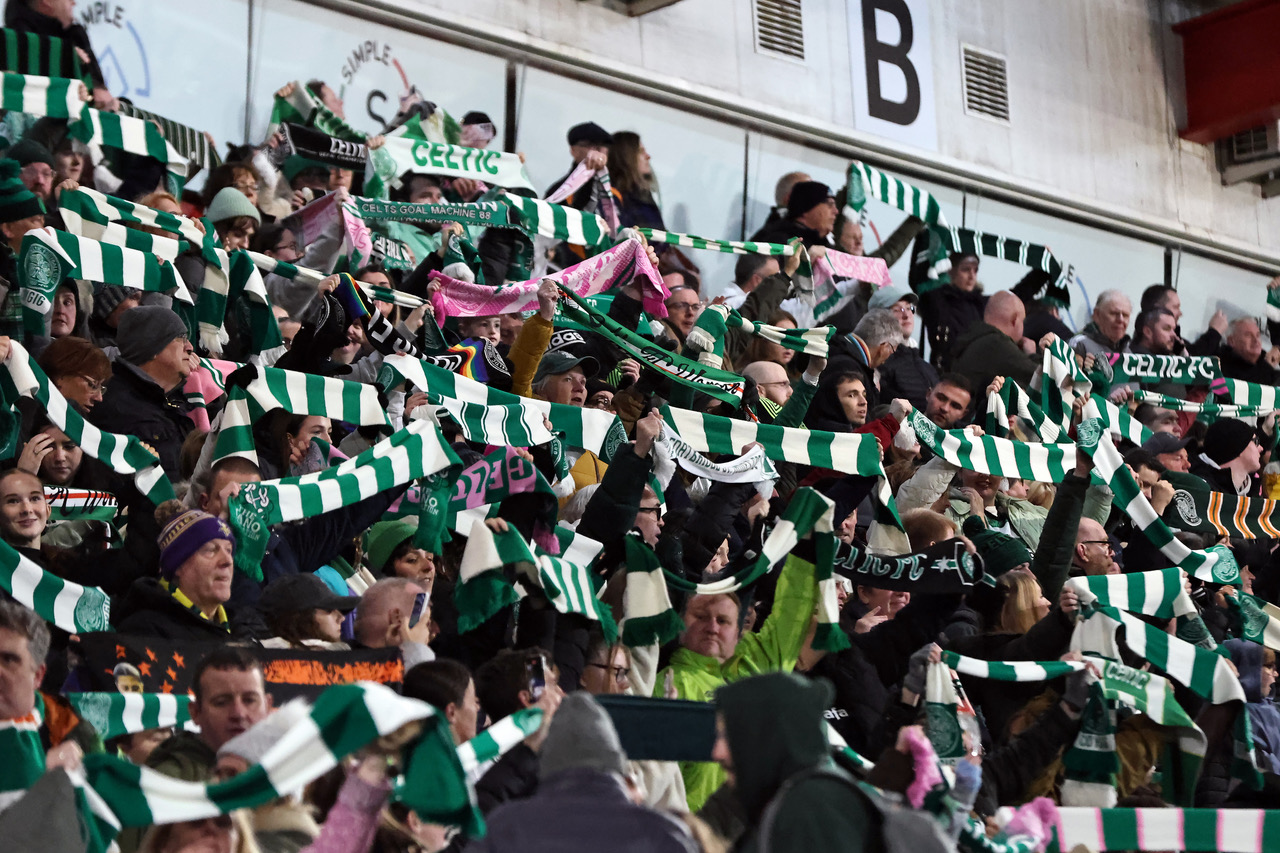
(144, 398)
(1093, 552)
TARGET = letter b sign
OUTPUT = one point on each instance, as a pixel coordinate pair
(893, 70)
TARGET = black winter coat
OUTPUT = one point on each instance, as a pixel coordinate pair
(947, 312)
(908, 376)
(786, 230)
(1235, 367)
(134, 404)
(148, 610)
(983, 352)
(21, 17)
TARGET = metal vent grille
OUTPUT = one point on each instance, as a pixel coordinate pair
(1251, 143)
(986, 83)
(779, 28)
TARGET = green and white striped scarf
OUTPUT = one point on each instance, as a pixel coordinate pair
(970, 242)
(1018, 670)
(189, 142)
(73, 608)
(115, 130)
(1188, 830)
(499, 738)
(1002, 457)
(1012, 398)
(558, 222)
(648, 617)
(1251, 395)
(846, 452)
(56, 97)
(869, 182)
(23, 753)
(729, 247)
(1118, 420)
(305, 108)
(114, 714)
(1062, 381)
(1109, 467)
(403, 153)
(1208, 410)
(47, 56)
(85, 205)
(501, 418)
(416, 451)
(296, 393)
(714, 323)
(48, 256)
(1255, 618)
(284, 269)
(571, 589)
(345, 718)
(1159, 593)
(716, 383)
(124, 454)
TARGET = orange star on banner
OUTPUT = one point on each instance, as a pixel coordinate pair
(179, 660)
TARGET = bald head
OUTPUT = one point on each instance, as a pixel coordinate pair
(771, 379)
(1007, 313)
(382, 606)
(1093, 549)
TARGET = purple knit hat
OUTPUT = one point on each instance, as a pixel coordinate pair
(187, 533)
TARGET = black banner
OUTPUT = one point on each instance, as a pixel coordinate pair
(946, 567)
(314, 145)
(165, 666)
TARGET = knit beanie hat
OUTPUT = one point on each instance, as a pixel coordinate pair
(230, 203)
(187, 533)
(28, 151)
(106, 299)
(385, 537)
(145, 331)
(581, 735)
(805, 196)
(16, 201)
(999, 552)
(1226, 439)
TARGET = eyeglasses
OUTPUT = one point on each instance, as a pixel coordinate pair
(94, 386)
(685, 306)
(246, 186)
(904, 308)
(1106, 543)
(287, 247)
(656, 510)
(620, 673)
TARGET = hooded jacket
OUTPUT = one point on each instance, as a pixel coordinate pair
(775, 730)
(135, 404)
(776, 646)
(947, 311)
(1263, 714)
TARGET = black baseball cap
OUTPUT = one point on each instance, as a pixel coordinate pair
(589, 133)
(556, 362)
(1164, 442)
(304, 592)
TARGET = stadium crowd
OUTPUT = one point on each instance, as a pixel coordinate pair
(773, 633)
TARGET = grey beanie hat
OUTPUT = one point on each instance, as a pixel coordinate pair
(145, 331)
(107, 298)
(581, 735)
(230, 203)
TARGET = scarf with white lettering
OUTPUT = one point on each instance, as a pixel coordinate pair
(403, 153)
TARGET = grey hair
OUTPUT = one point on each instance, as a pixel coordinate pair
(1112, 295)
(1239, 321)
(879, 326)
(24, 622)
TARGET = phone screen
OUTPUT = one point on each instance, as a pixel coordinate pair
(537, 679)
(419, 604)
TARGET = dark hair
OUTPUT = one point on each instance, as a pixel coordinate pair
(314, 86)
(501, 679)
(1139, 458)
(74, 356)
(747, 266)
(238, 658)
(235, 223)
(956, 380)
(1147, 318)
(266, 237)
(1154, 296)
(439, 682)
(294, 626)
(622, 164)
(224, 176)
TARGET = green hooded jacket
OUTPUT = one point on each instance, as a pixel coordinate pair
(776, 646)
(775, 730)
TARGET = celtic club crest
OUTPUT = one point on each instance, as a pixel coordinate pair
(93, 609)
(41, 272)
(926, 430)
(614, 439)
(1253, 619)
(1185, 504)
(1225, 569)
(1089, 432)
(95, 709)
(944, 729)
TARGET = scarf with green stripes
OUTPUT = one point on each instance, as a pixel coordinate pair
(558, 222)
(73, 608)
(944, 241)
(499, 738)
(55, 97)
(727, 387)
(1189, 830)
(1002, 457)
(731, 247)
(501, 418)
(869, 182)
(1012, 400)
(48, 256)
(403, 153)
(20, 376)
(1250, 395)
(846, 452)
(1254, 618)
(28, 53)
(1061, 382)
(134, 135)
(416, 451)
(113, 714)
(302, 106)
(649, 618)
(297, 393)
(23, 751)
(1208, 410)
(1020, 670)
(1160, 593)
(194, 145)
(709, 333)
(345, 718)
